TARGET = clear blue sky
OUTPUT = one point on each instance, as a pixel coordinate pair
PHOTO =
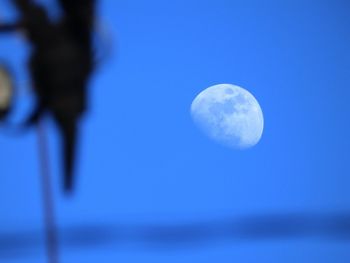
(144, 163)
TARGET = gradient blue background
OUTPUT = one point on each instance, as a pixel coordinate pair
(142, 161)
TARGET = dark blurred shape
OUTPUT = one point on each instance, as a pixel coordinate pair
(60, 65)
(6, 92)
(177, 235)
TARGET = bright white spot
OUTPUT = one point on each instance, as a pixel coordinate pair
(229, 114)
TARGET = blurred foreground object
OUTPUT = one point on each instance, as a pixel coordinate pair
(60, 65)
(6, 92)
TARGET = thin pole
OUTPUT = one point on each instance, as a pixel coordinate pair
(49, 215)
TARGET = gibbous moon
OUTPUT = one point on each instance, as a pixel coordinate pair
(229, 115)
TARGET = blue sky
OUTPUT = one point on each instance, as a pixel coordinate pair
(144, 163)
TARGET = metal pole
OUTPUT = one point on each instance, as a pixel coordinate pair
(47, 195)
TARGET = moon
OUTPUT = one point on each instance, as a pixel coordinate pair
(230, 115)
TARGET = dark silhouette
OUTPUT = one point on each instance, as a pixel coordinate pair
(6, 92)
(60, 65)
